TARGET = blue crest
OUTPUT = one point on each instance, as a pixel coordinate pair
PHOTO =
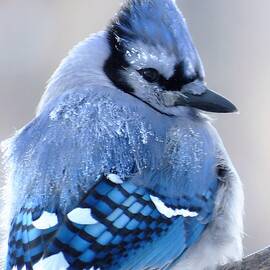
(154, 22)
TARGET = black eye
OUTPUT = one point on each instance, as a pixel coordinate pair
(150, 74)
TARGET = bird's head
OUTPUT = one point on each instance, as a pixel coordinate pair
(152, 57)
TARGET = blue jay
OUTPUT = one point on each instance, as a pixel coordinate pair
(121, 169)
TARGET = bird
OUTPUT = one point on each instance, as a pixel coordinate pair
(121, 168)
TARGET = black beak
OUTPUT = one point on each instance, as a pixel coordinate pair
(206, 100)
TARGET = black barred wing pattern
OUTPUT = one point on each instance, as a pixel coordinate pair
(114, 221)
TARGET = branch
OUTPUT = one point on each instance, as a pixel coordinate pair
(257, 261)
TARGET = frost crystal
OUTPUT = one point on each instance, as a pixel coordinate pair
(60, 155)
(186, 147)
(62, 152)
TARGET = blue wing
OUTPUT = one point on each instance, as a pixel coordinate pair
(127, 222)
(26, 243)
(57, 158)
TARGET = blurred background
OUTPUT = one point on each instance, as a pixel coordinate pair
(233, 38)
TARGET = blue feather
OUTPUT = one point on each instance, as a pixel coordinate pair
(127, 224)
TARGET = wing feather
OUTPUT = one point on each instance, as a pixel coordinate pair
(126, 221)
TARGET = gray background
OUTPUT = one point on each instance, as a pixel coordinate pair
(233, 39)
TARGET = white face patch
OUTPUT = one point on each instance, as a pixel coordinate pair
(169, 212)
(146, 56)
(15, 268)
(45, 221)
(81, 216)
(54, 262)
(114, 178)
(141, 56)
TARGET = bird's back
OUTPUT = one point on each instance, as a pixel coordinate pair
(78, 141)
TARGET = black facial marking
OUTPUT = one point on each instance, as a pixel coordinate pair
(116, 63)
(178, 80)
(174, 83)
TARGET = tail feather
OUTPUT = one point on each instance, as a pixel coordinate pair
(26, 242)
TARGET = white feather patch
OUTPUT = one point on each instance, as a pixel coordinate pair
(15, 268)
(115, 178)
(45, 221)
(81, 216)
(169, 212)
(54, 262)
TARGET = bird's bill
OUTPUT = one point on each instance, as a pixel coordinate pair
(208, 101)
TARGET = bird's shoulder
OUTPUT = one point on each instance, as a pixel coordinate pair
(73, 140)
